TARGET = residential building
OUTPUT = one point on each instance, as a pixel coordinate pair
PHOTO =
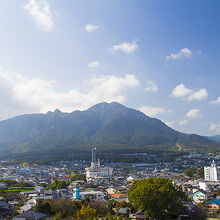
(204, 186)
(212, 205)
(211, 172)
(199, 196)
(30, 215)
(93, 195)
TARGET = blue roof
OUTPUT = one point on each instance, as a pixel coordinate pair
(215, 201)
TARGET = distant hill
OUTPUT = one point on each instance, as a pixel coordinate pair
(111, 127)
(215, 138)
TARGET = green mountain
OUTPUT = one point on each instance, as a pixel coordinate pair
(215, 138)
(111, 127)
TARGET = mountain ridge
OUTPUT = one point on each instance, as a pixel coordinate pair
(108, 126)
(215, 138)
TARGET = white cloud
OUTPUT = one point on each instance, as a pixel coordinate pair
(41, 13)
(169, 123)
(20, 95)
(217, 101)
(151, 86)
(199, 95)
(183, 122)
(181, 90)
(185, 52)
(94, 64)
(215, 127)
(193, 113)
(152, 111)
(91, 28)
(125, 47)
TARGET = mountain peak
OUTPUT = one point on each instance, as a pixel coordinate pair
(105, 105)
(57, 111)
(54, 113)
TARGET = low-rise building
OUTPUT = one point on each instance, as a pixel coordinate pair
(200, 196)
(93, 195)
(212, 205)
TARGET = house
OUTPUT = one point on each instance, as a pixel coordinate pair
(123, 211)
(212, 205)
(192, 210)
(29, 193)
(138, 215)
(5, 209)
(119, 197)
(200, 196)
(31, 202)
(111, 190)
(25, 208)
(130, 179)
(93, 195)
(39, 189)
(29, 205)
(30, 215)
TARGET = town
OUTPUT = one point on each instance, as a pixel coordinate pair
(109, 110)
(103, 189)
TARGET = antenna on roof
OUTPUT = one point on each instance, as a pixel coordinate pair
(93, 149)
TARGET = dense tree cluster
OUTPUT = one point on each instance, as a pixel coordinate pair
(189, 172)
(13, 183)
(58, 185)
(158, 197)
(86, 209)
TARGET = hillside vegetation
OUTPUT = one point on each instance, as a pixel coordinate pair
(111, 127)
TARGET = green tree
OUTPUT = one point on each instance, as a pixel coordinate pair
(86, 213)
(77, 176)
(58, 185)
(43, 207)
(25, 164)
(189, 172)
(158, 197)
(200, 172)
(17, 210)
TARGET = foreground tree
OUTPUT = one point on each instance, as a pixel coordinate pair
(158, 197)
(86, 213)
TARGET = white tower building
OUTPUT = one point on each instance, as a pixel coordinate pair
(96, 172)
(211, 173)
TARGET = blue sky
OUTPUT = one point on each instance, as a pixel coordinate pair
(161, 57)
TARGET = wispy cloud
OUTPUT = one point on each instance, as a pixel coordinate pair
(23, 95)
(91, 28)
(151, 86)
(193, 113)
(41, 13)
(184, 52)
(217, 101)
(199, 95)
(125, 47)
(182, 91)
(151, 111)
(183, 122)
(169, 123)
(215, 127)
(94, 64)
